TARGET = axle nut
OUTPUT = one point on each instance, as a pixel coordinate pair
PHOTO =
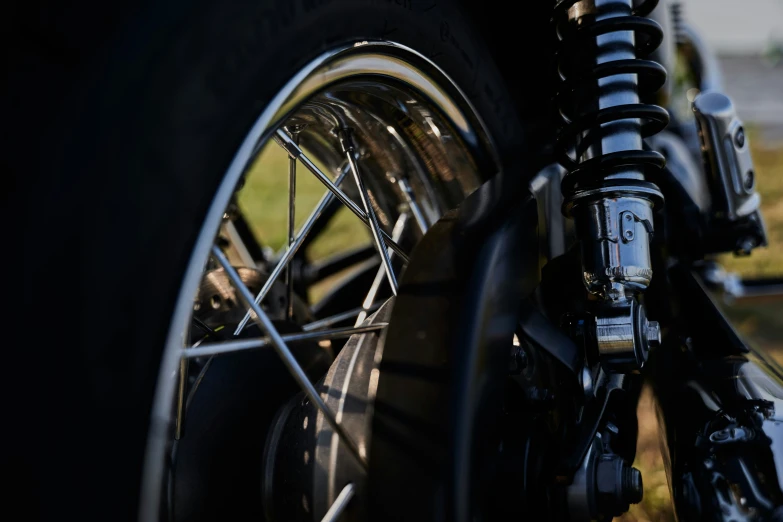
(618, 485)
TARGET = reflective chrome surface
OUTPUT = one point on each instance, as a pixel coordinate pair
(734, 214)
(296, 153)
(615, 232)
(340, 504)
(294, 130)
(727, 157)
(410, 122)
(624, 336)
(337, 318)
(372, 293)
(346, 142)
(228, 347)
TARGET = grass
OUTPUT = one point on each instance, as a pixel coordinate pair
(656, 505)
(263, 201)
(264, 204)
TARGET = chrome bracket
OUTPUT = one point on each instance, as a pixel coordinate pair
(625, 336)
(735, 217)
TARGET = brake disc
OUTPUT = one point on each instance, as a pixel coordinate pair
(306, 466)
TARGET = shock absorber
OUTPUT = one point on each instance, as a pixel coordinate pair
(602, 71)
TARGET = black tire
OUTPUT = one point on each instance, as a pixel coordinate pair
(124, 122)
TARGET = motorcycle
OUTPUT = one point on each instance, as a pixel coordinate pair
(537, 231)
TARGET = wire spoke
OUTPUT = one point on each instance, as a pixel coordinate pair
(293, 150)
(418, 215)
(289, 277)
(182, 384)
(339, 504)
(338, 318)
(181, 387)
(242, 345)
(292, 249)
(372, 293)
(285, 354)
(197, 383)
(203, 326)
(346, 141)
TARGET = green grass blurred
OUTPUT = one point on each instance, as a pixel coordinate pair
(264, 203)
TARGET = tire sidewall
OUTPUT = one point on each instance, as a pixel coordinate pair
(140, 143)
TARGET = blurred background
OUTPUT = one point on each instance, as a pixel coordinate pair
(748, 37)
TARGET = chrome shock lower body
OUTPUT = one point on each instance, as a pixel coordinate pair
(601, 146)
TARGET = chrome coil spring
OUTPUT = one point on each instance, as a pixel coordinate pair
(584, 122)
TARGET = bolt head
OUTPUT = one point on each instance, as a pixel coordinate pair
(652, 334)
(745, 247)
(617, 485)
(749, 181)
(739, 138)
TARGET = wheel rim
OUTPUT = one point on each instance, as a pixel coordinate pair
(406, 134)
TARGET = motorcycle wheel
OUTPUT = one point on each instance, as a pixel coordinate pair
(150, 138)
